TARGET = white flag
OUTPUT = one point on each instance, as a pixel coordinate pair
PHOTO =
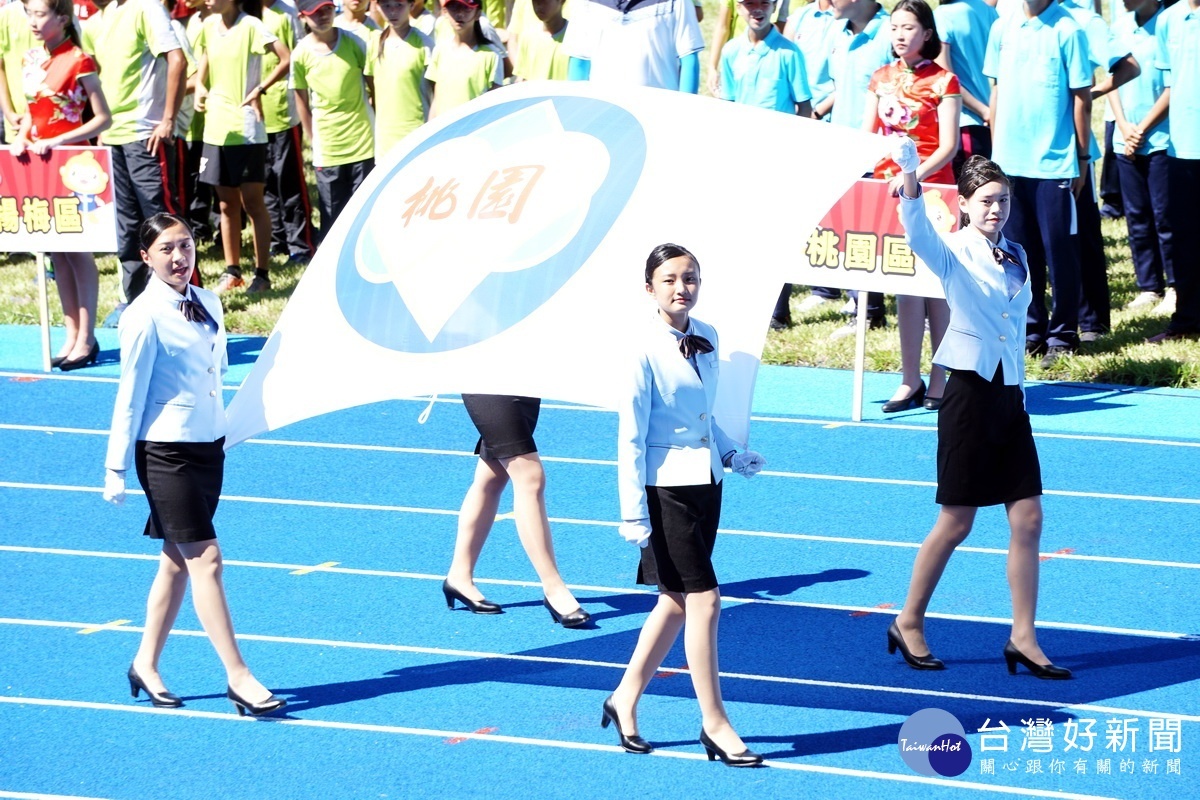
(501, 249)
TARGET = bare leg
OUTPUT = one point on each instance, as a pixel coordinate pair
(475, 520)
(910, 320)
(260, 223)
(700, 643)
(1025, 523)
(204, 566)
(938, 311)
(658, 635)
(229, 198)
(68, 295)
(162, 607)
(951, 528)
(533, 526)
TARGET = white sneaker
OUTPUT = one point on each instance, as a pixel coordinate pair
(851, 307)
(1167, 306)
(811, 303)
(846, 330)
(1145, 300)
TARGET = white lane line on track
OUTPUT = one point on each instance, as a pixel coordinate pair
(579, 662)
(809, 537)
(581, 587)
(830, 424)
(813, 476)
(536, 742)
(44, 796)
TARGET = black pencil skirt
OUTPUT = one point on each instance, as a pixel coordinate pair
(505, 424)
(986, 455)
(683, 532)
(182, 481)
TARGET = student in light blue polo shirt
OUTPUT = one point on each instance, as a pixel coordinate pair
(811, 30)
(1041, 108)
(963, 27)
(1178, 55)
(761, 68)
(862, 43)
(1141, 156)
(1117, 67)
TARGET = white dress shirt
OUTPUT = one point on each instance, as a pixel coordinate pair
(171, 373)
(666, 432)
(987, 326)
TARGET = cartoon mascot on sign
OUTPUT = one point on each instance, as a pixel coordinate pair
(86, 180)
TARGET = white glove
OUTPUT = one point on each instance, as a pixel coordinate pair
(635, 531)
(904, 153)
(747, 464)
(114, 486)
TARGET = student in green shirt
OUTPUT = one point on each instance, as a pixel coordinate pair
(328, 77)
(396, 62)
(539, 54)
(466, 64)
(229, 89)
(287, 192)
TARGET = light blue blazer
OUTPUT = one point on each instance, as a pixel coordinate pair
(987, 327)
(666, 434)
(171, 374)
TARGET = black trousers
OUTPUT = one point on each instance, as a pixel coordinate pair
(1184, 176)
(286, 195)
(335, 187)
(1094, 304)
(143, 185)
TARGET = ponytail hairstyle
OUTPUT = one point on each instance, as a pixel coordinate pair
(932, 48)
(66, 10)
(664, 253)
(978, 171)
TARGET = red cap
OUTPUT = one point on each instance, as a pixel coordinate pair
(309, 7)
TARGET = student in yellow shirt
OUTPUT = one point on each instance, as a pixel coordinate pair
(397, 58)
(466, 64)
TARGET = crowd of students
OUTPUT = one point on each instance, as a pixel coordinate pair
(246, 84)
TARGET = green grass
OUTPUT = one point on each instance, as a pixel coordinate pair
(1120, 357)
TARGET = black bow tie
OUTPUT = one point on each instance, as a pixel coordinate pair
(192, 311)
(1003, 255)
(691, 345)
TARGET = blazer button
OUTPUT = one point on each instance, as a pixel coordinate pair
(703, 440)
(1004, 315)
(211, 370)
(703, 416)
(213, 393)
(1003, 338)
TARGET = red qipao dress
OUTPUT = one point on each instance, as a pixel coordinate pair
(908, 103)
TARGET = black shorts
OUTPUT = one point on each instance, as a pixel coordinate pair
(182, 481)
(232, 165)
(505, 424)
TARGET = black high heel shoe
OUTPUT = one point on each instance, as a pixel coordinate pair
(895, 640)
(632, 744)
(164, 700)
(904, 404)
(932, 403)
(272, 703)
(477, 607)
(576, 619)
(68, 364)
(746, 758)
(1013, 656)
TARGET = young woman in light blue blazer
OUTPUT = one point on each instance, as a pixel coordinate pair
(671, 455)
(169, 420)
(986, 453)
